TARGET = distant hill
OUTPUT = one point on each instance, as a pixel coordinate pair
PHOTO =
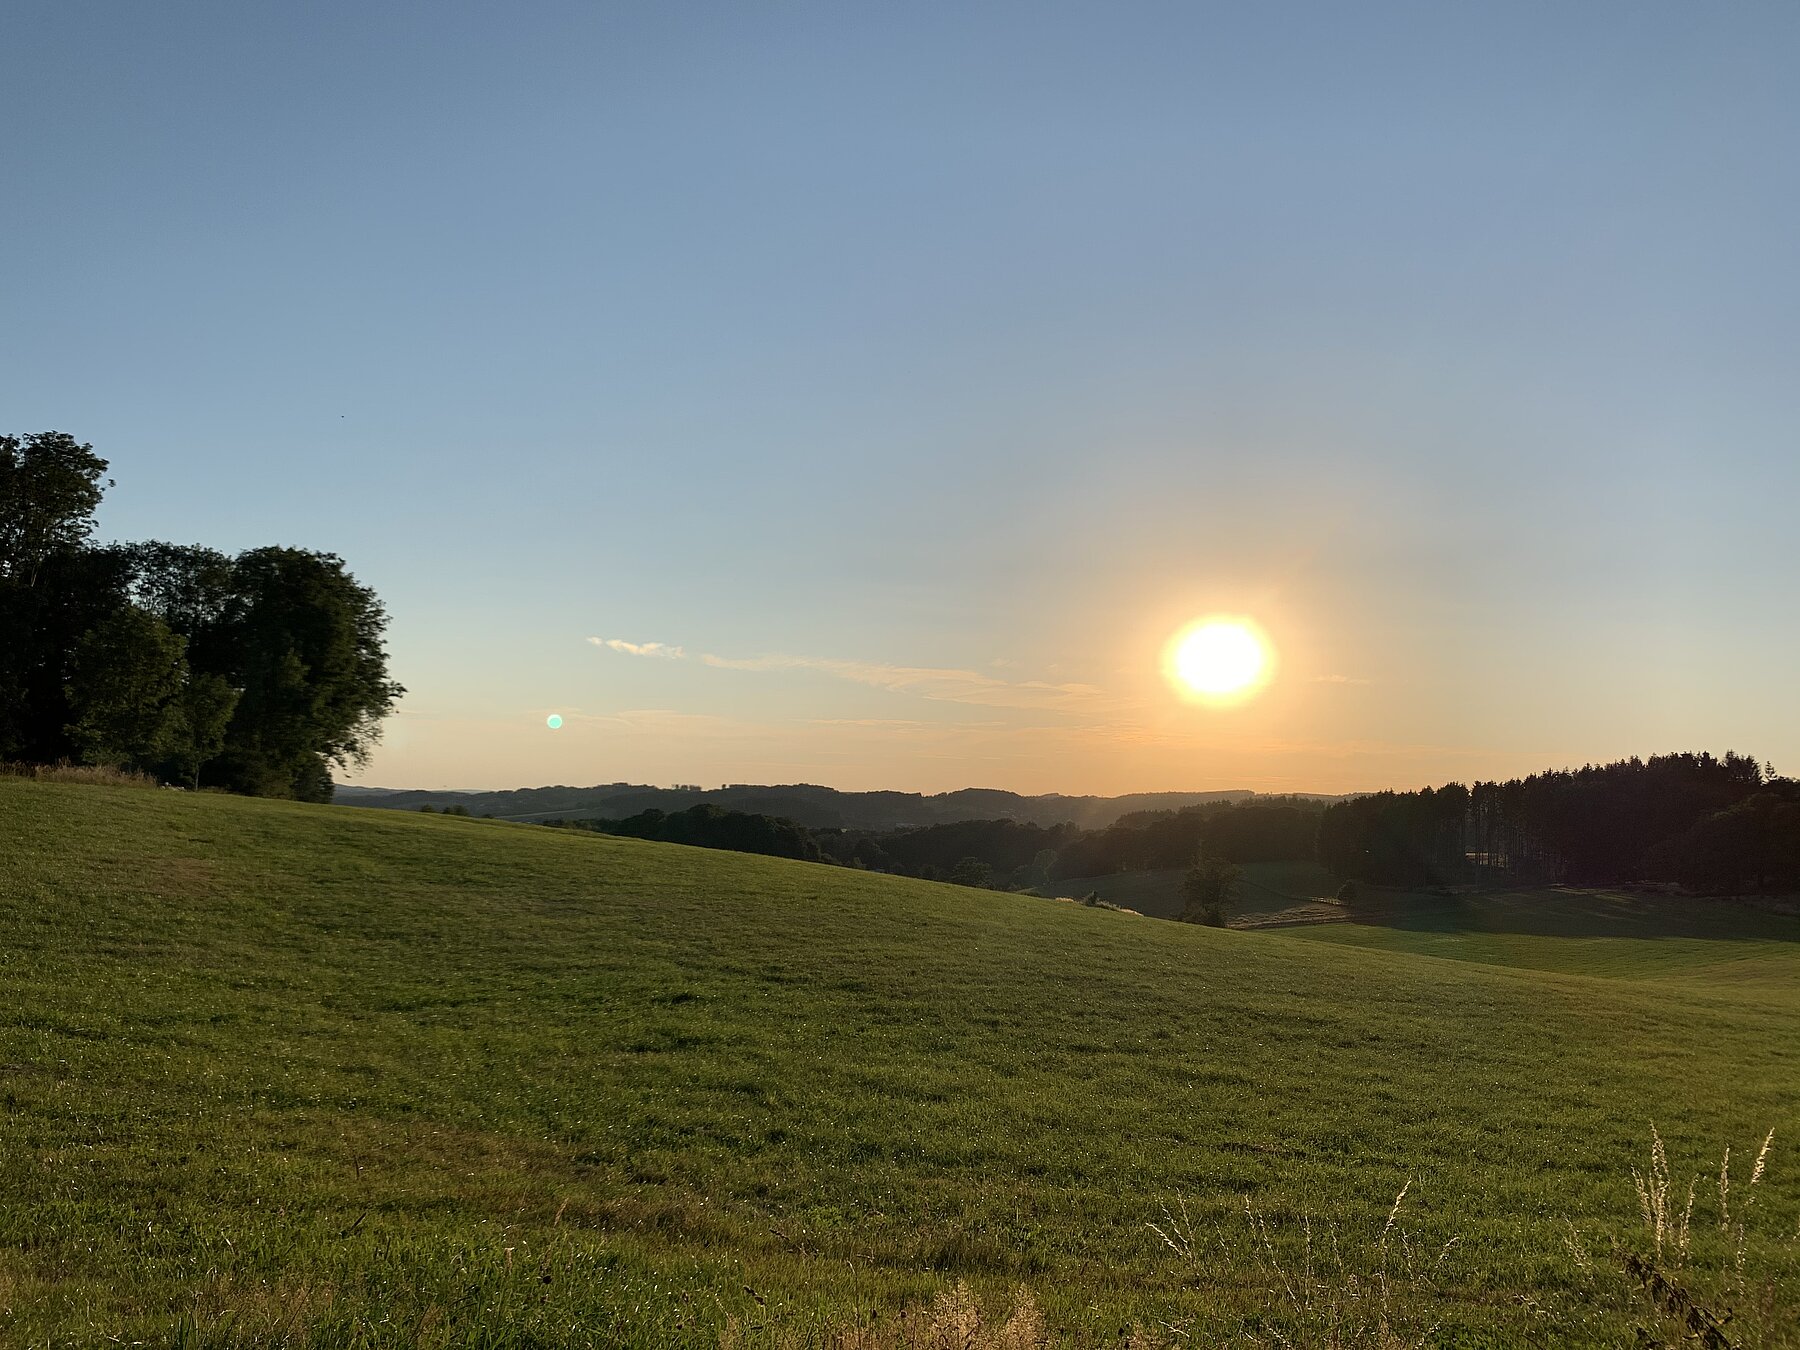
(818, 808)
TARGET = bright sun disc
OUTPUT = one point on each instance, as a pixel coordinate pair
(1219, 660)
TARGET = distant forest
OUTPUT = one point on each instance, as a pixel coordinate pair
(1002, 854)
(1710, 824)
(1715, 825)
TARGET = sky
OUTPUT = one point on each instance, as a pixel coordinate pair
(863, 394)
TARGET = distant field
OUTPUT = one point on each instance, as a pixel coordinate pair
(1612, 933)
(1590, 932)
(277, 1074)
(1267, 892)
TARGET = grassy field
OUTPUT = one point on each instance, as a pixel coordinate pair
(1622, 934)
(276, 1074)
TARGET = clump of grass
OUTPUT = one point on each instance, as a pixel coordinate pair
(1670, 1232)
(1692, 1285)
(954, 1320)
(94, 775)
(1325, 1289)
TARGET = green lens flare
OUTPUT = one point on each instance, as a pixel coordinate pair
(553, 721)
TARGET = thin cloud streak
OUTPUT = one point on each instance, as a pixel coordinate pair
(658, 649)
(929, 682)
(942, 685)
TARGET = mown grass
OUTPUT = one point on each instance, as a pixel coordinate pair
(1619, 934)
(1615, 933)
(275, 1074)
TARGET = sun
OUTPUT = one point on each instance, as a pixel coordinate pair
(1219, 660)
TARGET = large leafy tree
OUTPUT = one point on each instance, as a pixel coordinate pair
(50, 590)
(188, 586)
(302, 641)
(73, 591)
(49, 487)
(126, 677)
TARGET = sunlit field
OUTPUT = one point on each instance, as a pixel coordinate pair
(1616, 933)
(278, 1074)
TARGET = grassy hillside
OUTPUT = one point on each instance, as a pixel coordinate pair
(281, 1074)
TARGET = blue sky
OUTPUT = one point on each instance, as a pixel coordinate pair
(927, 365)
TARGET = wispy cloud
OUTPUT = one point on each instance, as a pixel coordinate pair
(661, 649)
(1338, 679)
(940, 684)
(930, 682)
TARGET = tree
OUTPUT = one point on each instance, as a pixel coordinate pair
(202, 713)
(127, 673)
(302, 640)
(75, 590)
(1206, 890)
(49, 487)
(972, 872)
(50, 594)
(188, 586)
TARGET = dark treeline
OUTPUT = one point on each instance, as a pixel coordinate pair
(1701, 821)
(1267, 829)
(709, 826)
(1001, 854)
(254, 673)
(1706, 823)
(1009, 852)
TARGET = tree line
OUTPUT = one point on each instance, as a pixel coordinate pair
(998, 854)
(1708, 823)
(1264, 829)
(254, 673)
(1702, 822)
(709, 826)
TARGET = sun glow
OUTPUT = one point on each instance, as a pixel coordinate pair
(1219, 660)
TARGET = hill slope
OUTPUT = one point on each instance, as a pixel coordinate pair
(321, 1075)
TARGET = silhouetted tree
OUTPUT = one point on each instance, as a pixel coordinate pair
(302, 641)
(972, 872)
(49, 487)
(1206, 890)
(75, 592)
